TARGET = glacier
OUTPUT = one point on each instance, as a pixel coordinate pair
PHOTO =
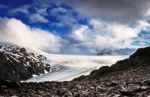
(73, 66)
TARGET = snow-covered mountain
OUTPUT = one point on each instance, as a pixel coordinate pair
(19, 63)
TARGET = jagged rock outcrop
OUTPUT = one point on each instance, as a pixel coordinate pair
(18, 63)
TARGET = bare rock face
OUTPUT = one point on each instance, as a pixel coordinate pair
(17, 63)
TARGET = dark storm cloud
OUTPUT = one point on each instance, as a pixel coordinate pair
(118, 10)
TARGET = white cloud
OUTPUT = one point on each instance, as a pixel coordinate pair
(82, 40)
(56, 11)
(78, 34)
(106, 35)
(38, 18)
(42, 11)
(144, 25)
(22, 9)
(15, 31)
(64, 17)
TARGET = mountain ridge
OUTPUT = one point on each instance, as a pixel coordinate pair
(18, 63)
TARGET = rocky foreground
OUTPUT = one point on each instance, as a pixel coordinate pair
(126, 78)
(132, 83)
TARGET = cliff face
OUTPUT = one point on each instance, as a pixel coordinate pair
(17, 63)
(140, 59)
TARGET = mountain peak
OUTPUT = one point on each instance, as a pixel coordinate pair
(19, 63)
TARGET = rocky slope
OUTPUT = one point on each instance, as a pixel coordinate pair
(140, 58)
(133, 83)
(126, 78)
(125, 86)
(18, 63)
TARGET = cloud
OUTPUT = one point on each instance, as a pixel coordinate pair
(41, 11)
(78, 34)
(123, 11)
(143, 38)
(89, 26)
(22, 9)
(3, 6)
(15, 31)
(103, 35)
(64, 17)
(37, 15)
(82, 40)
(38, 18)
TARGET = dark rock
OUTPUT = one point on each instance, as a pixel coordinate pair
(17, 63)
(146, 82)
(127, 93)
(113, 83)
(22, 50)
(9, 84)
(141, 53)
(47, 67)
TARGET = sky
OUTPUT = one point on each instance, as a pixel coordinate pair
(76, 26)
